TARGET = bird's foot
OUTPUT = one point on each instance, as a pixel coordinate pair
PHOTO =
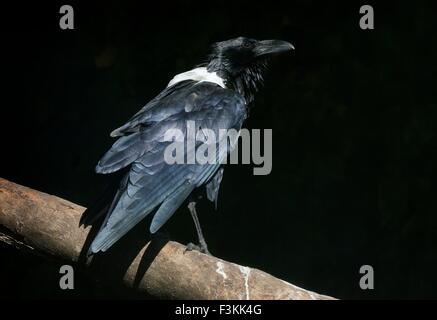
(201, 248)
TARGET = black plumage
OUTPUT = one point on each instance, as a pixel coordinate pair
(215, 97)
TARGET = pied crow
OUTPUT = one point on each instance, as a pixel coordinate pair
(215, 95)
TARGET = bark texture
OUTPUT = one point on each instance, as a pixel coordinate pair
(48, 225)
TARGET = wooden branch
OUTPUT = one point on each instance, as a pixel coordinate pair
(49, 225)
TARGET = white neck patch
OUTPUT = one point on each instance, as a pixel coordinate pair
(198, 74)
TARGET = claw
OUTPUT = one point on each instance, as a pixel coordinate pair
(201, 248)
(204, 249)
(191, 246)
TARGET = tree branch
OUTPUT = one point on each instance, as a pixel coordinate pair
(49, 225)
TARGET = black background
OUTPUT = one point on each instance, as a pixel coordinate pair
(352, 111)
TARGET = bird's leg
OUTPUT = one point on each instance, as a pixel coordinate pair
(202, 244)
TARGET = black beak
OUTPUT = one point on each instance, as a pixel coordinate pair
(265, 47)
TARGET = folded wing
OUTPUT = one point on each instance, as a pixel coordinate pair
(151, 182)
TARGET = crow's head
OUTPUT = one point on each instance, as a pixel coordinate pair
(241, 61)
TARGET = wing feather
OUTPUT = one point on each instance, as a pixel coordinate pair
(151, 182)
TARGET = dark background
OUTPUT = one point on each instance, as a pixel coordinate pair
(353, 115)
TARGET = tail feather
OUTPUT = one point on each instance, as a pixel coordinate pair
(169, 206)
